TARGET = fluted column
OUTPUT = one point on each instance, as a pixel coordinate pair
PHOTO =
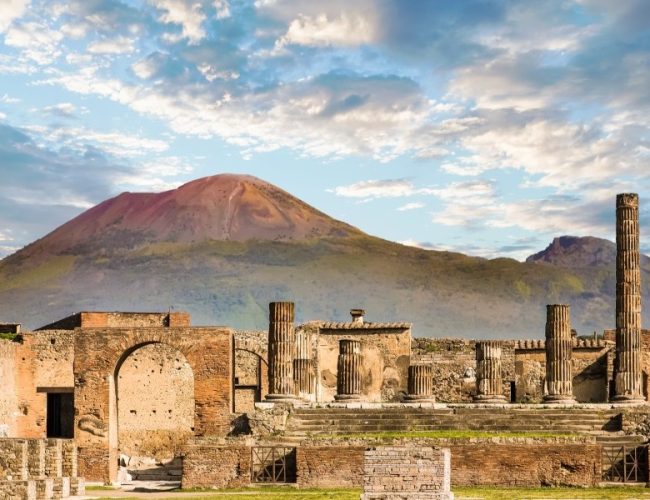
(348, 378)
(489, 382)
(303, 367)
(420, 384)
(627, 364)
(282, 346)
(559, 349)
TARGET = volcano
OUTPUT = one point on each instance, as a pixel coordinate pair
(222, 247)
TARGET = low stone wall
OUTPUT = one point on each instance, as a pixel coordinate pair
(406, 473)
(33, 469)
(207, 465)
(329, 466)
(476, 461)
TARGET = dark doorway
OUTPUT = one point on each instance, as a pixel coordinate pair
(60, 415)
(513, 392)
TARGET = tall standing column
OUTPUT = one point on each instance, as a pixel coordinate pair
(559, 349)
(420, 384)
(303, 366)
(489, 382)
(348, 378)
(282, 346)
(627, 364)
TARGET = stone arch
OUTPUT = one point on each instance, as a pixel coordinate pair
(99, 354)
(250, 374)
(154, 403)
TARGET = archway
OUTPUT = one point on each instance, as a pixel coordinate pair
(251, 378)
(155, 407)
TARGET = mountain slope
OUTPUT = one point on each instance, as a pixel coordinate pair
(223, 247)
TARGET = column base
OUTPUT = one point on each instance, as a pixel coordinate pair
(348, 398)
(559, 400)
(416, 398)
(490, 399)
(281, 398)
(623, 399)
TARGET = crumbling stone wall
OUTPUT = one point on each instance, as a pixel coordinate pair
(251, 369)
(206, 465)
(155, 401)
(119, 320)
(8, 397)
(329, 466)
(386, 354)
(98, 352)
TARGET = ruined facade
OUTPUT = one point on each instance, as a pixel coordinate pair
(151, 389)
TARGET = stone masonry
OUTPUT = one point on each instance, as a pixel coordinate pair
(407, 473)
(282, 346)
(37, 469)
(489, 384)
(349, 371)
(420, 384)
(627, 364)
(559, 349)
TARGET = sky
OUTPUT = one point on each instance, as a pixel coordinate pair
(481, 126)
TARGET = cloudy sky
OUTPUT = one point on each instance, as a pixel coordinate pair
(486, 127)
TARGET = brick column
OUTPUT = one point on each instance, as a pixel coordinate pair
(303, 367)
(420, 384)
(489, 383)
(348, 378)
(559, 349)
(627, 364)
(282, 346)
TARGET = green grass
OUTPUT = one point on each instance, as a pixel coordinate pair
(10, 336)
(442, 434)
(461, 493)
(615, 493)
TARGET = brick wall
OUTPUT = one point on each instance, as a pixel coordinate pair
(503, 462)
(210, 466)
(119, 320)
(8, 397)
(329, 466)
(99, 353)
(406, 472)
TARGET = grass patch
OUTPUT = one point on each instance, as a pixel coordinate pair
(98, 487)
(271, 493)
(615, 493)
(10, 336)
(444, 434)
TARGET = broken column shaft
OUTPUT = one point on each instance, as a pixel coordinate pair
(282, 345)
(420, 384)
(627, 364)
(559, 349)
(348, 378)
(303, 366)
(489, 382)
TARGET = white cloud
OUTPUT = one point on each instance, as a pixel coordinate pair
(323, 30)
(10, 11)
(37, 41)
(119, 45)
(389, 188)
(8, 99)
(152, 175)
(223, 8)
(410, 206)
(188, 13)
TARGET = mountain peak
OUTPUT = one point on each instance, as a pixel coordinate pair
(575, 251)
(220, 207)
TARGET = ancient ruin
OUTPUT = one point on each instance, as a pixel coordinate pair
(147, 395)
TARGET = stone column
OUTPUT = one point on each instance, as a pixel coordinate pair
(627, 364)
(348, 378)
(282, 346)
(303, 366)
(489, 383)
(420, 384)
(559, 349)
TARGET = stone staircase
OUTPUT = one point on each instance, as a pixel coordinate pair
(305, 422)
(165, 471)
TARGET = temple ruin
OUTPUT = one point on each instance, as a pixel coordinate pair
(147, 395)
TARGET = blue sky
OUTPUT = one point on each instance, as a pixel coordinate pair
(486, 127)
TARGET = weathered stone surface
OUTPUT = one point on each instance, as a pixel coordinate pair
(349, 371)
(407, 473)
(489, 382)
(559, 349)
(420, 384)
(627, 364)
(282, 350)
